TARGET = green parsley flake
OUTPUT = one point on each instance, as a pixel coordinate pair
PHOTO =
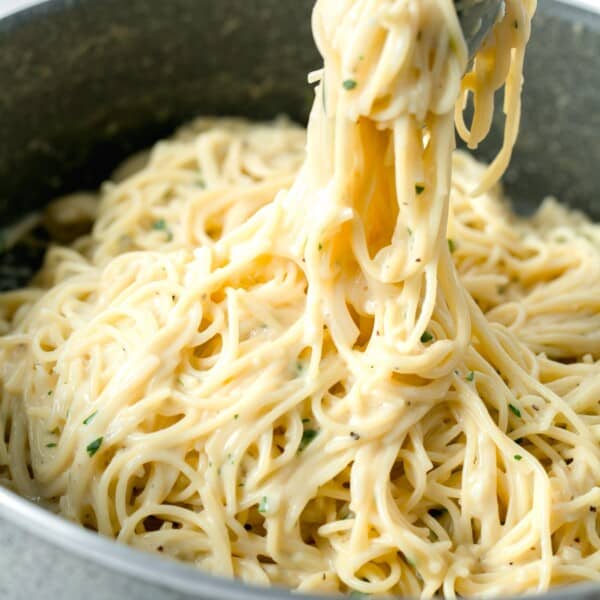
(451, 246)
(419, 188)
(470, 376)
(349, 84)
(160, 225)
(89, 419)
(514, 410)
(518, 457)
(263, 507)
(51, 445)
(307, 437)
(94, 446)
(426, 337)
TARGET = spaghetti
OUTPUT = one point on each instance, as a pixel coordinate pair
(354, 371)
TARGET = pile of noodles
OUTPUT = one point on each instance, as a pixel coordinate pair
(346, 369)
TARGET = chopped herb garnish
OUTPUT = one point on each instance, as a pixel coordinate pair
(49, 392)
(89, 419)
(514, 410)
(518, 457)
(419, 188)
(160, 225)
(51, 445)
(320, 247)
(349, 84)
(306, 420)
(516, 24)
(263, 507)
(470, 376)
(94, 446)
(426, 337)
(451, 246)
(307, 437)
(355, 436)
(236, 417)
(409, 230)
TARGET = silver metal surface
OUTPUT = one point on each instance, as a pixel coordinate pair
(47, 558)
(477, 17)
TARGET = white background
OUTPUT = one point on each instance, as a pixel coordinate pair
(7, 6)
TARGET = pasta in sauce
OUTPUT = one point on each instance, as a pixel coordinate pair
(350, 368)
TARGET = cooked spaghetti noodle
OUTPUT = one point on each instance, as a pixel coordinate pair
(357, 371)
